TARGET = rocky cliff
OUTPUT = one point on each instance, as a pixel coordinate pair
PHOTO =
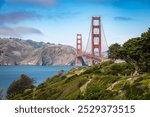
(28, 52)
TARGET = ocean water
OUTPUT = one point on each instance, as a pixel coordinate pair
(40, 73)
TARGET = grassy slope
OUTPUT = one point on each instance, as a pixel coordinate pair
(103, 81)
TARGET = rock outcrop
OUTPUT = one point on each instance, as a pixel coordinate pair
(28, 52)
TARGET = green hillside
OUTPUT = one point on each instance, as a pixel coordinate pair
(107, 80)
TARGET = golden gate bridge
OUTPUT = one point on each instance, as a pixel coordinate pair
(93, 55)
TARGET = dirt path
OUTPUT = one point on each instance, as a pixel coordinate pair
(83, 87)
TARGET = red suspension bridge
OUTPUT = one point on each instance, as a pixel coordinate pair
(94, 55)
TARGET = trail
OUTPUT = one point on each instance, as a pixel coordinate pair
(83, 87)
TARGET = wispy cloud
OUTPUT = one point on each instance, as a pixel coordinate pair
(18, 31)
(16, 17)
(35, 2)
(120, 18)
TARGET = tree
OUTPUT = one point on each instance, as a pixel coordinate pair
(113, 51)
(136, 52)
(19, 86)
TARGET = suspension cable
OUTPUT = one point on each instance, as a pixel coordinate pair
(88, 38)
(104, 36)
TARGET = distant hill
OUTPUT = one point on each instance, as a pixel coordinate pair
(27, 52)
(34, 43)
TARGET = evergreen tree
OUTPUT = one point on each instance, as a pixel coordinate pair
(113, 51)
(136, 52)
(20, 86)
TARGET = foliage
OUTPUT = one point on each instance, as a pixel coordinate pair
(111, 68)
(98, 88)
(136, 52)
(140, 89)
(113, 51)
(19, 86)
(108, 80)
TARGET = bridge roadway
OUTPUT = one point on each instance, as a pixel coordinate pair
(90, 56)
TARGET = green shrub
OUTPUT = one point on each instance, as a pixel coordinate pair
(117, 69)
(137, 92)
(19, 86)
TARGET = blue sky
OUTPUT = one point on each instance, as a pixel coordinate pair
(58, 21)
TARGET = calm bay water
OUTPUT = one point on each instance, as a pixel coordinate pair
(40, 73)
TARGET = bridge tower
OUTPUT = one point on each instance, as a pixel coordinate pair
(78, 48)
(96, 38)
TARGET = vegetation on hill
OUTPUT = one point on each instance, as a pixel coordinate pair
(107, 80)
(19, 86)
(113, 51)
(136, 52)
